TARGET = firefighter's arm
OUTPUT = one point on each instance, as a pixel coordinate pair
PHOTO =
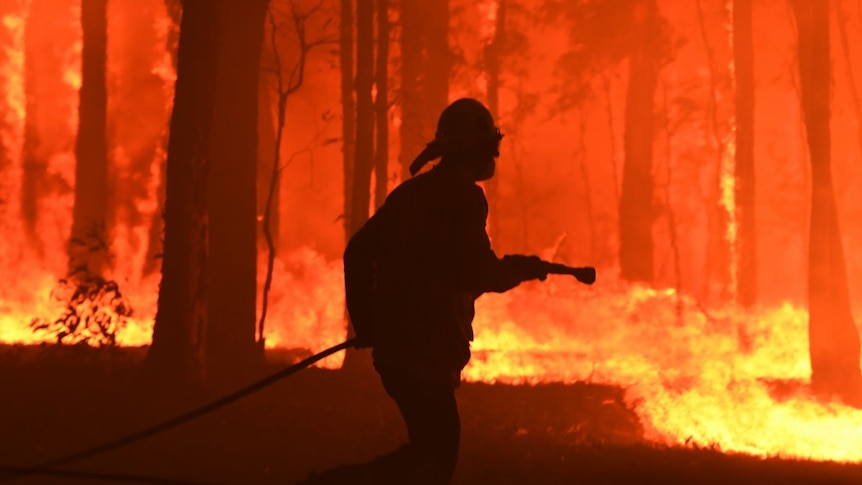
(481, 270)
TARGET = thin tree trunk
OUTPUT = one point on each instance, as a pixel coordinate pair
(833, 338)
(493, 54)
(91, 148)
(746, 249)
(636, 213)
(718, 271)
(364, 149)
(381, 105)
(348, 108)
(179, 336)
(364, 154)
(232, 197)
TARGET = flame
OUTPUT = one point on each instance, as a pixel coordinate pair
(727, 379)
(12, 131)
(13, 82)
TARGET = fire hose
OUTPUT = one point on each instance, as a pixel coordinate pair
(48, 467)
(586, 275)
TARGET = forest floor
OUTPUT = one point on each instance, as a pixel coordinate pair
(59, 400)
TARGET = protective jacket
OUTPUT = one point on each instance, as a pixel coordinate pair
(413, 271)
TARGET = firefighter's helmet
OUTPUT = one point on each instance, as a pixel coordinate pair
(465, 127)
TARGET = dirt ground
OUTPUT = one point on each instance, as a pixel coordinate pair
(59, 400)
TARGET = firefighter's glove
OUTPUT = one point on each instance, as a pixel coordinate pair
(527, 268)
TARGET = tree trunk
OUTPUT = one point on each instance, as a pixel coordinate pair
(348, 108)
(746, 249)
(178, 349)
(833, 338)
(493, 54)
(155, 248)
(363, 157)
(232, 196)
(636, 214)
(364, 154)
(91, 148)
(381, 105)
(425, 65)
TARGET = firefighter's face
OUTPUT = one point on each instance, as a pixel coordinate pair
(486, 166)
(486, 160)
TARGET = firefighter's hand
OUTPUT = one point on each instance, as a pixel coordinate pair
(527, 267)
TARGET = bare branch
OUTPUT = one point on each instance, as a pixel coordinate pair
(299, 18)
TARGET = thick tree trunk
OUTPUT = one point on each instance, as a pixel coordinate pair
(381, 105)
(636, 214)
(746, 248)
(232, 196)
(425, 65)
(179, 336)
(91, 148)
(833, 337)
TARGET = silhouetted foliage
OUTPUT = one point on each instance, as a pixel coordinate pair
(601, 34)
(94, 309)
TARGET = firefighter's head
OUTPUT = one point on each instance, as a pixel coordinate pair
(467, 136)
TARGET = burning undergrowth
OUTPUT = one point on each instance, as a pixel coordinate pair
(93, 312)
(720, 377)
(92, 309)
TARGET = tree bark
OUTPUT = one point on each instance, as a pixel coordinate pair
(746, 246)
(425, 66)
(636, 213)
(178, 349)
(232, 196)
(91, 147)
(833, 337)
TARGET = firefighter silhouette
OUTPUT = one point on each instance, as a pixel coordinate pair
(412, 274)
